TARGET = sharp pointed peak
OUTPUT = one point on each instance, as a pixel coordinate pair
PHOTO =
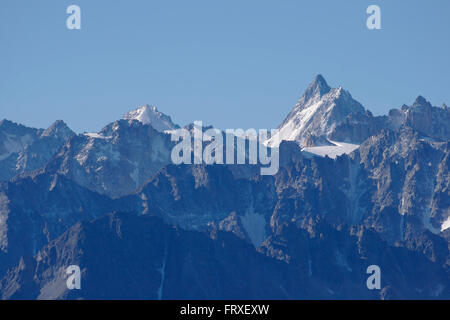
(58, 128)
(320, 80)
(318, 86)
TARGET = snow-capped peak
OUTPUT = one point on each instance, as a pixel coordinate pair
(319, 110)
(150, 115)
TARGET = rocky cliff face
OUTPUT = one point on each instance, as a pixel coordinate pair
(116, 161)
(24, 149)
(35, 210)
(432, 122)
(129, 257)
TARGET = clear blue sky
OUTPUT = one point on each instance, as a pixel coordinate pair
(234, 64)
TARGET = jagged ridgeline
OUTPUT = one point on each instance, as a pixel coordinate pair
(352, 190)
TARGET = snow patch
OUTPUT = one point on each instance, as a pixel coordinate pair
(446, 224)
(95, 135)
(338, 149)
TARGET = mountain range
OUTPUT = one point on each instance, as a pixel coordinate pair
(353, 190)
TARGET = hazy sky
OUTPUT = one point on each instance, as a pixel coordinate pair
(233, 64)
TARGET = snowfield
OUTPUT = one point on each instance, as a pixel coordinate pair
(338, 149)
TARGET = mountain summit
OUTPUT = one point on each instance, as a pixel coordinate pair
(150, 115)
(319, 87)
(318, 111)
